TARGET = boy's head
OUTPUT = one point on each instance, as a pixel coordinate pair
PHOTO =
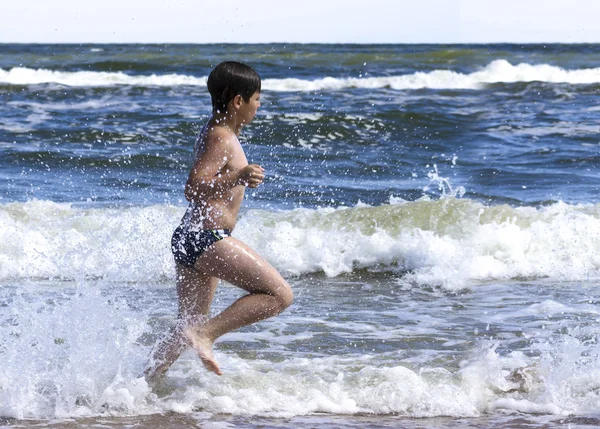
(229, 79)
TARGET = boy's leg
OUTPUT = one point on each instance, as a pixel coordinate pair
(236, 263)
(195, 292)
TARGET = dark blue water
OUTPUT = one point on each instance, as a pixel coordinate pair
(77, 126)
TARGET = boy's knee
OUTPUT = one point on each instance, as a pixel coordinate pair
(285, 296)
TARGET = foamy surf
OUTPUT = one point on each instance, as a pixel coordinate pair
(29, 76)
(449, 242)
(498, 71)
(75, 349)
(78, 379)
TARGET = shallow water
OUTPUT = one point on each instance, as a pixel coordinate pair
(365, 343)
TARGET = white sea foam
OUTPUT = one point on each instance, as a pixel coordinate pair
(78, 351)
(51, 240)
(50, 369)
(28, 76)
(496, 72)
(68, 372)
(93, 370)
(451, 242)
(448, 242)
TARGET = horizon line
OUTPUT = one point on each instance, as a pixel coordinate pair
(301, 43)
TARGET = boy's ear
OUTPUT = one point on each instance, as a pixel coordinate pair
(237, 101)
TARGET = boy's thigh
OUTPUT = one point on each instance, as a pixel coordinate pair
(235, 262)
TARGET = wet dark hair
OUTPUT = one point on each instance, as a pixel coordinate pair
(229, 79)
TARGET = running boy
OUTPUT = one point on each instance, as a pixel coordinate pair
(202, 245)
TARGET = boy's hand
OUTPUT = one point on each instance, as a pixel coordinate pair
(251, 176)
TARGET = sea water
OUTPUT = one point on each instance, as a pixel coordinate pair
(435, 209)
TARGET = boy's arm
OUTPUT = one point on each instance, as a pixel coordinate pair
(210, 176)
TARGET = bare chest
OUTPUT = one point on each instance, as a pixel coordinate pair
(237, 160)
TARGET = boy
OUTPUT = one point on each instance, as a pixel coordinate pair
(202, 245)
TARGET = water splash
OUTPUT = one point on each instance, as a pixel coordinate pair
(443, 185)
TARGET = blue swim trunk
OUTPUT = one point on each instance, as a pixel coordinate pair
(188, 245)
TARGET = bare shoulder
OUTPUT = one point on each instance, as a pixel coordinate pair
(219, 137)
(218, 148)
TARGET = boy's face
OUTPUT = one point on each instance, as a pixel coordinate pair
(248, 108)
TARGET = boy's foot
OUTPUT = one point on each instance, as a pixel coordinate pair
(203, 347)
(164, 356)
(152, 374)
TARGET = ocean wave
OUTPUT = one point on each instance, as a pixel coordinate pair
(70, 384)
(29, 76)
(498, 71)
(448, 242)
